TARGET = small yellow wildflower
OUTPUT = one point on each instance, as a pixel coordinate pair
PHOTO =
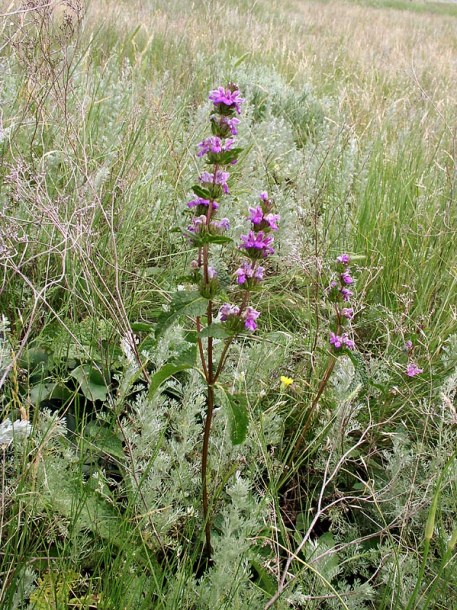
(286, 381)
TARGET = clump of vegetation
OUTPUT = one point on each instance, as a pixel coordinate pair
(227, 412)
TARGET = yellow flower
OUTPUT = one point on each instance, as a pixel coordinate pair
(286, 381)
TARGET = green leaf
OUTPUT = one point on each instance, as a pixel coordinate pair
(49, 391)
(264, 579)
(63, 491)
(224, 158)
(142, 327)
(191, 336)
(200, 191)
(217, 239)
(241, 59)
(91, 381)
(237, 413)
(37, 361)
(360, 367)
(185, 361)
(104, 440)
(215, 330)
(183, 303)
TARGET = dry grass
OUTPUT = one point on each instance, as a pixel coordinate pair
(379, 62)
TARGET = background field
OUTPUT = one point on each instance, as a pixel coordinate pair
(350, 125)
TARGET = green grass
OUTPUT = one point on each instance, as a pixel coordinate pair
(349, 126)
(437, 8)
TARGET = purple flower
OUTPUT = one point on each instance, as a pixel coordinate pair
(349, 343)
(257, 244)
(412, 370)
(231, 124)
(214, 144)
(197, 224)
(226, 97)
(247, 271)
(347, 312)
(256, 215)
(266, 221)
(222, 224)
(212, 273)
(336, 340)
(340, 341)
(200, 201)
(271, 220)
(408, 345)
(346, 278)
(220, 177)
(344, 258)
(250, 315)
(346, 294)
(226, 310)
(264, 196)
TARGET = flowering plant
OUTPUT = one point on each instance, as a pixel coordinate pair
(216, 318)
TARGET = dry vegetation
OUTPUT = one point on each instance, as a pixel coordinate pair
(343, 494)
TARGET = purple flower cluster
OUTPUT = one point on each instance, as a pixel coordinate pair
(340, 291)
(229, 125)
(228, 311)
(214, 145)
(218, 178)
(412, 370)
(250, 316)
(200, 225)
(258, 243)
(344, 259)
(263, 221)
(233, 315)
(220, 152)
(227, 103)
(347, 312)
(248, 272)
(341, 294)
(226, 100)
(339, 341)
(202, 205)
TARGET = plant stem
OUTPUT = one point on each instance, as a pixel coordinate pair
(209, 414)
(209, 418)
(320, 390)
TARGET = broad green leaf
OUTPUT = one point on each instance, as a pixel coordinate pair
(215, 330)
(200, 191)
(49, 391)
(91, 382)
(237, 413)
(264, 579)
(185, 361)
(104, 440)
(37, 361)
(183, 303)
(217, 239)
(197, 241)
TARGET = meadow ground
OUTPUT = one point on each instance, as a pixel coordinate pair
(334, 490)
